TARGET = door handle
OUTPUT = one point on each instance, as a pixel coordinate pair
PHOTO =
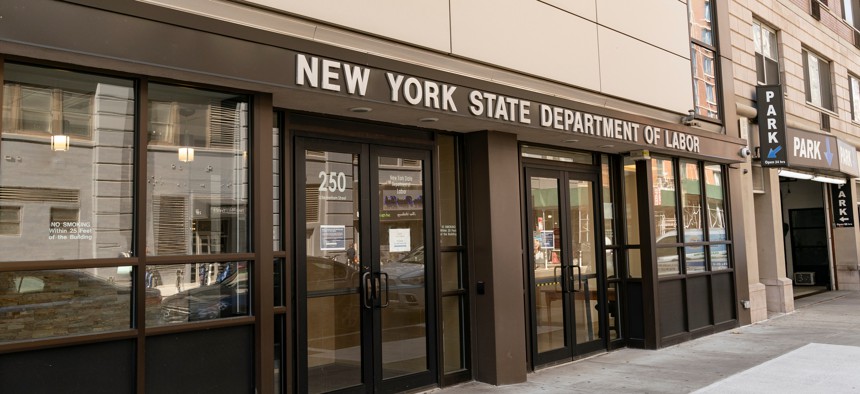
(573, 278)
(387, 299)
(367, 300)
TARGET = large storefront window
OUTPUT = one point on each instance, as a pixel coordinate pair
(701, 204)
(197, 175)
(66, 176)
(197, 195)
(665, 216)
(717, 227)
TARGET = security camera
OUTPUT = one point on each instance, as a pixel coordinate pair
(745, 152)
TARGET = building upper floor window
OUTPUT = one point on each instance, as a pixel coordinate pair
(766, 54)
(817, 80)
(850, 11)
(703, 54)
(854, 86)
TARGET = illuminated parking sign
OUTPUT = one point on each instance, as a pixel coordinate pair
(771, 126)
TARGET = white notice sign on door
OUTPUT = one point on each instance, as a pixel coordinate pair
(399, 240)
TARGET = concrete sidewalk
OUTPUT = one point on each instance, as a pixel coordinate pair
(812, 350)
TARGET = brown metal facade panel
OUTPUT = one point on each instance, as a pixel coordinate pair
(724, 299)
(673, 313)
(698, 302)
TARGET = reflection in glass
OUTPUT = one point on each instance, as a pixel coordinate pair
(668, 261)
(564, 156)
(278, 282)
(280, 362)
(613, 310)
(715, 193)
(276, 184)
(197, 291)
(608, 204)
(719, 257)
(663, 181)
(451, 334)
(55, 303)
(581, 216)
(694, 257)
(403, 266)
(634, 263)
(701, 17)
(631, 203)
(608, 217)
(717, 216)
(549, 311)
(691, 201)
(91, 179)
(334, 342)
(704, 81)
(332, 271)
(450, 271)
(449, 228)
(198, 203)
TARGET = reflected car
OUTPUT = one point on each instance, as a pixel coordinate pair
(227, 297)
(51, 303)
(406, 281)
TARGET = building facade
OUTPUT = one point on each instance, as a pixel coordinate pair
(795, 66)
(261, 196)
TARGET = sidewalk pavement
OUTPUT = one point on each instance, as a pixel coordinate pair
(815, 349)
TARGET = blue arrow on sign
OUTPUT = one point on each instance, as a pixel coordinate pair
(773, 152)
(827, 154)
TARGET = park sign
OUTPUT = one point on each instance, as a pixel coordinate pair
(771, 126)
(843, 214)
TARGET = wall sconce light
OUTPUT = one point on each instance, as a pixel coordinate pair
(59, 143)
(186, 154)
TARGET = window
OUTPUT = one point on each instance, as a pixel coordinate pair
(703, 54)
(62, 109)
(854, 86)
(816, 76)
(851, 12)
(64, 190)
(766, 54)
(708, 66)
(199, 169)
(10, 220)
(694, 238)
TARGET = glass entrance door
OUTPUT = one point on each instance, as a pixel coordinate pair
(363, 268)
(565, 290)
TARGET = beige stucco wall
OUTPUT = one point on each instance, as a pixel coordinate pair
(585, 44)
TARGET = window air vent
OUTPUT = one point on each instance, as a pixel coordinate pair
(39, 194)
(171, 225)
(825, 122)
(857, 38)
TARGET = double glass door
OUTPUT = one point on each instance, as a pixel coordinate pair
(565, 286)
(363, 267)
